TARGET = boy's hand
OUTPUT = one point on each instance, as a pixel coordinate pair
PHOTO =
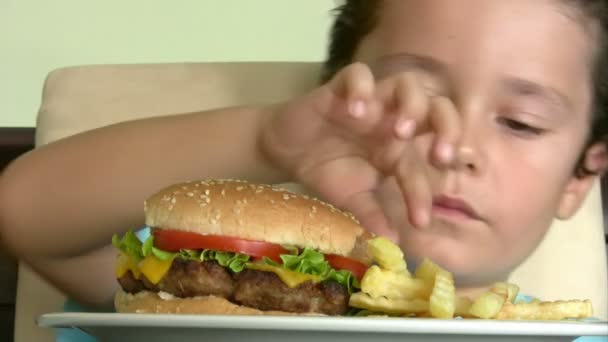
(343, 138)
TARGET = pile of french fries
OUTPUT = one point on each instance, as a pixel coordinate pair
(388, 288)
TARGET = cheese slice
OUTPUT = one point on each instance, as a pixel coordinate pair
(126, 263)
(154, 269)
(151, 267)
(290, 278)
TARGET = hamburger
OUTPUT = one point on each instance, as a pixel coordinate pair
(232, 247)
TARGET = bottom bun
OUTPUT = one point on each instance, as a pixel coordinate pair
(164, 303)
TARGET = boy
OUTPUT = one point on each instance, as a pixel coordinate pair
(438, 126)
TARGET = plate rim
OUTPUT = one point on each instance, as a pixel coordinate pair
(326, 324)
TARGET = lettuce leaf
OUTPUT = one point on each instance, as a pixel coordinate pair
(234, 261)
(130, 245)
(312, 262)
(308, 261)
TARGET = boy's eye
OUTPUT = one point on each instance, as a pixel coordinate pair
(520, 127)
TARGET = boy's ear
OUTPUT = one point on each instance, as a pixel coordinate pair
(596, 160)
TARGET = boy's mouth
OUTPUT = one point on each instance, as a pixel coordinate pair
(453, 207)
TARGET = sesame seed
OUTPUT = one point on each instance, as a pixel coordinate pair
(223, 193)
(190, 194)
(207, 192)
(213, 221)
(272, 201)
(196, 185)
(239, 188)
(184, 188)
(173, 200)
(207, 200)
(285, 197)
(240, 222)
(244, 201)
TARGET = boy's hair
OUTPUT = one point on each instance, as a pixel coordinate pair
(355, 19)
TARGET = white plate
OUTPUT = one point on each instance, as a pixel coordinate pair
(186, 328)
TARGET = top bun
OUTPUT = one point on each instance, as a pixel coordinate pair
(257, 212)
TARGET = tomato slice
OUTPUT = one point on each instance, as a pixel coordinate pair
(174, 240)
(343, 263)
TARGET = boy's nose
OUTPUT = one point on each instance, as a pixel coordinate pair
(468, 155)
(466, 158)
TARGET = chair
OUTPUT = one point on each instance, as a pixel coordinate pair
(570, 263)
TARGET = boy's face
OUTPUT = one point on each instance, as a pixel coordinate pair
(519, 74)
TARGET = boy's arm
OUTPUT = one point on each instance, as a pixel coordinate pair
(61, 203)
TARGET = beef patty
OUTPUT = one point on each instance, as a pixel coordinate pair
(257, 289)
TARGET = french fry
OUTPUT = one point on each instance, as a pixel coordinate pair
(546, 310)
(391, 306)
(443, 298)
(388, 288)
(383, 283)
(387, 254)
(462, 307)
(508, 290)
(487, 305)
(427, 271)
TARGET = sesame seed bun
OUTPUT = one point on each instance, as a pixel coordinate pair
(257, 212)
(164, 303)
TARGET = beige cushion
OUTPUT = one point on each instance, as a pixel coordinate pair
(570, 263)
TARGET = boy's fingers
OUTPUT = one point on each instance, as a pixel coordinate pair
(415, 186)
(410, 105)
(368, 211)
(445, 122)
(386, 157)
(354, 81)
(355, 107)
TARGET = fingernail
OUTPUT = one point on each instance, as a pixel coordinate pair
(405, 128)
(419, 219)
(423, 219)
(445, 151)
(357, 109)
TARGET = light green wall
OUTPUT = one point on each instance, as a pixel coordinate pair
(38, 36)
